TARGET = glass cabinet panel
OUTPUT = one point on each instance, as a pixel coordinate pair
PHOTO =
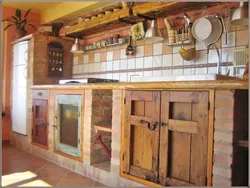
(69, 124)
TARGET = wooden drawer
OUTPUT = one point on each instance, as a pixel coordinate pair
(40, 94)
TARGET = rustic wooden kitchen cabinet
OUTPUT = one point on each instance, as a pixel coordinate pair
(166, 136)
(40, 118)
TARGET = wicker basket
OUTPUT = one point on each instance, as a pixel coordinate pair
(187, 54)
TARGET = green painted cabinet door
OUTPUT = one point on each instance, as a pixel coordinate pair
(69, 124)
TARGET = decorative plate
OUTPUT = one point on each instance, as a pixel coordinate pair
(137, 31)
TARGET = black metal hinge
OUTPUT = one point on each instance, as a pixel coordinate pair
(32, 108)
(123, 157)
(208, 105)
(124, 101)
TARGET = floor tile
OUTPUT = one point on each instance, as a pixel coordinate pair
(76, 182)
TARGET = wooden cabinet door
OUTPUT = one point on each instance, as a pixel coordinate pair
(184, 139)
(141, 145)
(39, 131)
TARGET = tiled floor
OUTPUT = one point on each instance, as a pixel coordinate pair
(23, 169)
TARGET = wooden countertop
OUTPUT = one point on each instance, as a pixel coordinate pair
(215, 84)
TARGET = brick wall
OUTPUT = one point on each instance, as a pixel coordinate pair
(230, 127)
(101, 112)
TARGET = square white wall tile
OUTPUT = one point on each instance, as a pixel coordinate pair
(230, 39)
(116, 65)
(86, 58)
(123, 64)
(177, 72)
(85, 68)
(188, 71)
(109, 76)
(148, 62)
(201, 57)
(140, 73)
(212, 56)
(131, 63)
(177, 60)
(176, 49)
(157, 49)
(227, 55)
(109, 65)
(140, 51)
(110, 56)
(103, 66)
(123, 77)
(97, 67)
(157, 73)
(200, 70)
(147, 73)
(130, 75)
(116, 76)
(75, 60)
(123, 54)
(199, 46)
(167, 60)
(97, 57)
(74, 70)
(157, 61)
(191, 62)
(80, 68)
(166, 72)
(139, 63)
(211, 70)
(91, 67)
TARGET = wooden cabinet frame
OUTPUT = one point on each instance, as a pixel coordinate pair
(211, 94)
(70, 92)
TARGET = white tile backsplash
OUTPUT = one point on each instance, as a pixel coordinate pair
(199, 46)
(211, 70)
(227, 55)
(167, 60)
(109, 65)
(116, 65)
(131, 63)
(103, 66)
(109, 55)
(91, 67)
(123, 77)
(157, 50)
(200, 70)
(86, 68)
(123, 54)
(166, 72)
(230, 39)
(147, 73)
(177, 60)
(188, 71)
(201, 57)
(123, 64)
(86, 58)
(75, 60)
(139, 63)
(139, 51)
(109, 76)
(212, 56)
(148, 62)
(97, 67)
(116, 76)
(176, 49)
(177, 72)
(157, 61)
(157, 73)
(97, 57)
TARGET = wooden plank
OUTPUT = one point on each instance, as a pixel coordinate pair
(183, 126)
(143, 173)
(210, 138)
(135, 120)
(142, 96)
(179, 147)
(199, 145)
(163, 156)
(123, 132)
(175, 182)
(178, 85)
(127, 131)
(107, 128)
(179, 96)
(139, 180)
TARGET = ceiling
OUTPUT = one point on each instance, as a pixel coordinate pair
(34, 6)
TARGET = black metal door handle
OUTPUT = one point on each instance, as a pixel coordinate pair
(148, 124)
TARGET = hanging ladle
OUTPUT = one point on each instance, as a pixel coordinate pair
(130, 48)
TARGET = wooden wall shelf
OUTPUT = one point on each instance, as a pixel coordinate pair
(112, 20)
